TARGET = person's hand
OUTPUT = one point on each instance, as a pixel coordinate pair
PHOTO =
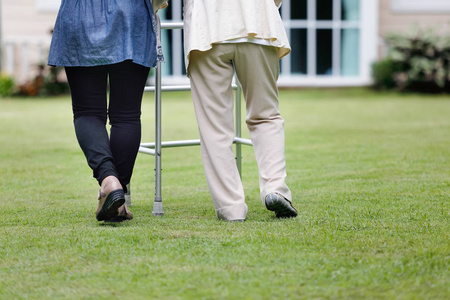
(159, 4)
(278, 3)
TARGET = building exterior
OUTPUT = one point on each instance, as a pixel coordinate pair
(334, 42)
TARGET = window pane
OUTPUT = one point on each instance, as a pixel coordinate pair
(324, 10)
(298, 55)
(350, 52)
(324, 52)
(299, 9)
(350, 10)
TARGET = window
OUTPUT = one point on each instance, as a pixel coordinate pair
(299, 11)
(422, 6)
(324, 36)
(299, 51)
(333, 42)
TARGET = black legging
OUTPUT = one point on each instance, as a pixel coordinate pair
(114, 155)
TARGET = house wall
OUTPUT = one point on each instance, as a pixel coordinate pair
(21, 18)
(26, 36)
(402, 21)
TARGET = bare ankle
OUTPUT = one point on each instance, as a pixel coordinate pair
(109, 184)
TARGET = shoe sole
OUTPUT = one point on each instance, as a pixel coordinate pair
(236, 221)
(110, 208)
(281, 207)
(118, 219)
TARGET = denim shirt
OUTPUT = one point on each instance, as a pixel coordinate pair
(100, 32)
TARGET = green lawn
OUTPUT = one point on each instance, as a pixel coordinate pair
(370, 176)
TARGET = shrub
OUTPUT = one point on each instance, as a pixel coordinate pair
(418, 61)
(6, 85)
(383, 73)
(52, 86)
(45, 83)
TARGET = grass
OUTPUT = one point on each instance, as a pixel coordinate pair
(369, 174)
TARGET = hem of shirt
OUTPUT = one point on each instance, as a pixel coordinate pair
(257, 41)
(283, 50)
(113, 62)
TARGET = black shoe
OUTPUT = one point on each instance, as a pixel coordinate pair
(281, 206)
(110, 208)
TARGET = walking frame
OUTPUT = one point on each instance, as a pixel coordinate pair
(155, 148)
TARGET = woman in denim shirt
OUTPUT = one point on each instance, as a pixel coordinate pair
(101, 41)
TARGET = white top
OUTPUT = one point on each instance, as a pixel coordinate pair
(207, 22)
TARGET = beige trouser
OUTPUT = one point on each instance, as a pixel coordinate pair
(211, 73)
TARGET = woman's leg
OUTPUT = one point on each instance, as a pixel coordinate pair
(211, 74)
(127, 81)
(257, 68)
(89, 103)
(88, 89)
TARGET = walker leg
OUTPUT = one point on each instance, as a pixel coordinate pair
(157, 204)
(128, 195)
(238, 127)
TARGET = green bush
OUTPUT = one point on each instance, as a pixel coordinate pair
(383, 73)
(52, 86)
(44, 84)
(6, 85)
(418, 61)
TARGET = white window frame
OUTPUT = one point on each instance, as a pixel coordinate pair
(367, 25)
(48, 6)
(420, 6)
(368, 42)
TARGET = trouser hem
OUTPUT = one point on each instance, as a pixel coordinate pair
(232, 212)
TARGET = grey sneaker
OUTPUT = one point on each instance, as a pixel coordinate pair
(281, 206)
